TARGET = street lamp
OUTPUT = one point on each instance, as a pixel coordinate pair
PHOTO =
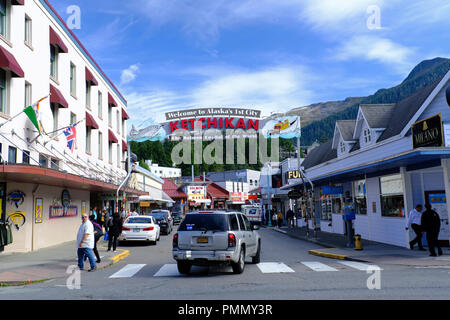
(269, 203)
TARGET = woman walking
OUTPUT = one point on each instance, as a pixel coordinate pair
(115, 229)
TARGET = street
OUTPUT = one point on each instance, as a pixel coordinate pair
(286, 272)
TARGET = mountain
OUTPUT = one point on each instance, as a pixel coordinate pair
(423, 74)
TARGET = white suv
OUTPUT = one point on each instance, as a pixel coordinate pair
(206, 238)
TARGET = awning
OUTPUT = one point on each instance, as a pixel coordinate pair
(18, 2)
(55, 40)
(90, 121)
(125, 115)
(156, 195)
(124, 146)
(8, 62)
(90, 78)
(57, 97)
(111, 137)
(111, 100)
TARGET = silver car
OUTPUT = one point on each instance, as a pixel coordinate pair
(206, 238)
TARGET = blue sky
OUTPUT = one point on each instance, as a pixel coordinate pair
(272, 55)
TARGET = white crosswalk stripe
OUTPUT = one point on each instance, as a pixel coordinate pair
(318, 266)
(168, 270)
(358, 265)
(128, 271)
(274, 267)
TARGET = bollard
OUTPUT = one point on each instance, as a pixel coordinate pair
(358, 242)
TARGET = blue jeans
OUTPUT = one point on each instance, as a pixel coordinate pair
(88, 252)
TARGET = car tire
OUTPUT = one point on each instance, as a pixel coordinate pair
(184, 267)
(257, 258)
(239, 266)
(159, 236)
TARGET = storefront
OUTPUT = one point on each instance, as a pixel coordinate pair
(390, 159)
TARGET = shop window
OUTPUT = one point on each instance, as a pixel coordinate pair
(326, 205)
(391, 188)
(360, 197)
(336, 203)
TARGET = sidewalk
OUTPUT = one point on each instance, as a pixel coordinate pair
(50, 263)
(373, 252)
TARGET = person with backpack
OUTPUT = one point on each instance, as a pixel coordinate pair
(98, 232)
(431, 224)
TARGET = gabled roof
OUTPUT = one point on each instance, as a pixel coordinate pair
(406, 109)
(377, 115)
(320, 154)
(172, 190)
(346, 127)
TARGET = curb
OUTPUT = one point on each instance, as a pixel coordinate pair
(120, 256)
(328, 255)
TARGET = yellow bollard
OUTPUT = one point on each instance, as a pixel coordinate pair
(358, 242)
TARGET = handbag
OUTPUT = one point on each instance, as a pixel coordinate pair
(106, 237)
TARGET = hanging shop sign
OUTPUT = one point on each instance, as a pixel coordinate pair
(196, 192)
(63, 212)
(16, 197)
(38, 210)
(328, 190)
(294, 194)
(65, 198)
(428, 132)
(144, 204)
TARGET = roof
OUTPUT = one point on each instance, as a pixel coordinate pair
(406, 109)
(320, 154)
(172, 190)
(377, 115)
(148, 173)
(214, 189)
(346, 127)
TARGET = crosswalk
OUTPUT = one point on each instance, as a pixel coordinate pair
(171, 270)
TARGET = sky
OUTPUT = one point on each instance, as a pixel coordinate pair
(270, 55)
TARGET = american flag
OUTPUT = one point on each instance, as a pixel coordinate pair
(71, 135)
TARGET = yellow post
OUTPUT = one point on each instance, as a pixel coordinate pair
(358, 242)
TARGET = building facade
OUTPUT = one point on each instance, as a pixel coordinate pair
(45, 185)
(163, 172)
(388, 160)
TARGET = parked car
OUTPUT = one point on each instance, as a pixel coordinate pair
(177, 217)
(142, 228)
(164, 220)
(216, 237)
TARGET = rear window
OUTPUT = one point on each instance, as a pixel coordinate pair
(202, 222)
(139, 220)
(159, 215)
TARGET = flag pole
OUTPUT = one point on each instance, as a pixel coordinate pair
(11, 119)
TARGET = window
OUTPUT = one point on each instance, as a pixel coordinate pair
(54, 109)
(342, 146)
(3, 17)
(123, 128)
(100, 146)
(28, 93)
(53, 62)
(326, 205)
(251, 182)
(54, 164)
(118, 155)
(100, 104)
(3, 93)
(26, 157)
(242, 223)
(28, 31)
(392, 196)
(73, 118)
(88, 139)
(360, 197)
(247, 223)
(118, 122)
(367, 137)
(110, 116)
(12, 155)
(43, 161)
(110, 153)
(88, 95)
(234, 222)
(73, 80)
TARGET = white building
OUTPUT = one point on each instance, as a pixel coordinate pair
(39, 55)
(163, 172)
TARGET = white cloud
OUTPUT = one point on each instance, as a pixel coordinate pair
(377, 49)
(128, 75)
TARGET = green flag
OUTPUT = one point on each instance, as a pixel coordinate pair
(33, 113)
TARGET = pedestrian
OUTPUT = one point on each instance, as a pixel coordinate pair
(280, 219)
(85, 243)
(134, 213)
(98, 232)
(107, 217)
(115, 229)
(274, 218)
(431, 224)
(290, 217)
(414, 221)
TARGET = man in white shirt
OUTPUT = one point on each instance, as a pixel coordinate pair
(85, 243)
(414, 219)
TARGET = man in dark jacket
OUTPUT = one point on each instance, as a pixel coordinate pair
(431, 224)
(290, 217)
(115, 229)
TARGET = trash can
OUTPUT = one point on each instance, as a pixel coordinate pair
(358, 242)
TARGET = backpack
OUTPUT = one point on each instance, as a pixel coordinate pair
(110, 222)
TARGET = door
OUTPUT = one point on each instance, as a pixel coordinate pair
(249, 235)
(438, 202)
(2, 207)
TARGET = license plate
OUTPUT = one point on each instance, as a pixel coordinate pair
(136, 230)
(202, 240)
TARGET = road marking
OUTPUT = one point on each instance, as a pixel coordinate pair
(168, 270)
(128, 271)
(274, 267)
(357, 265)
(318, 266)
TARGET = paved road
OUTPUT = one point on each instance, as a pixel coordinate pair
(286, 272)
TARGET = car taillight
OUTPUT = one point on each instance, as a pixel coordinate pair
(125, 229)
(149, 229)
(175, 240)
(231, 240)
